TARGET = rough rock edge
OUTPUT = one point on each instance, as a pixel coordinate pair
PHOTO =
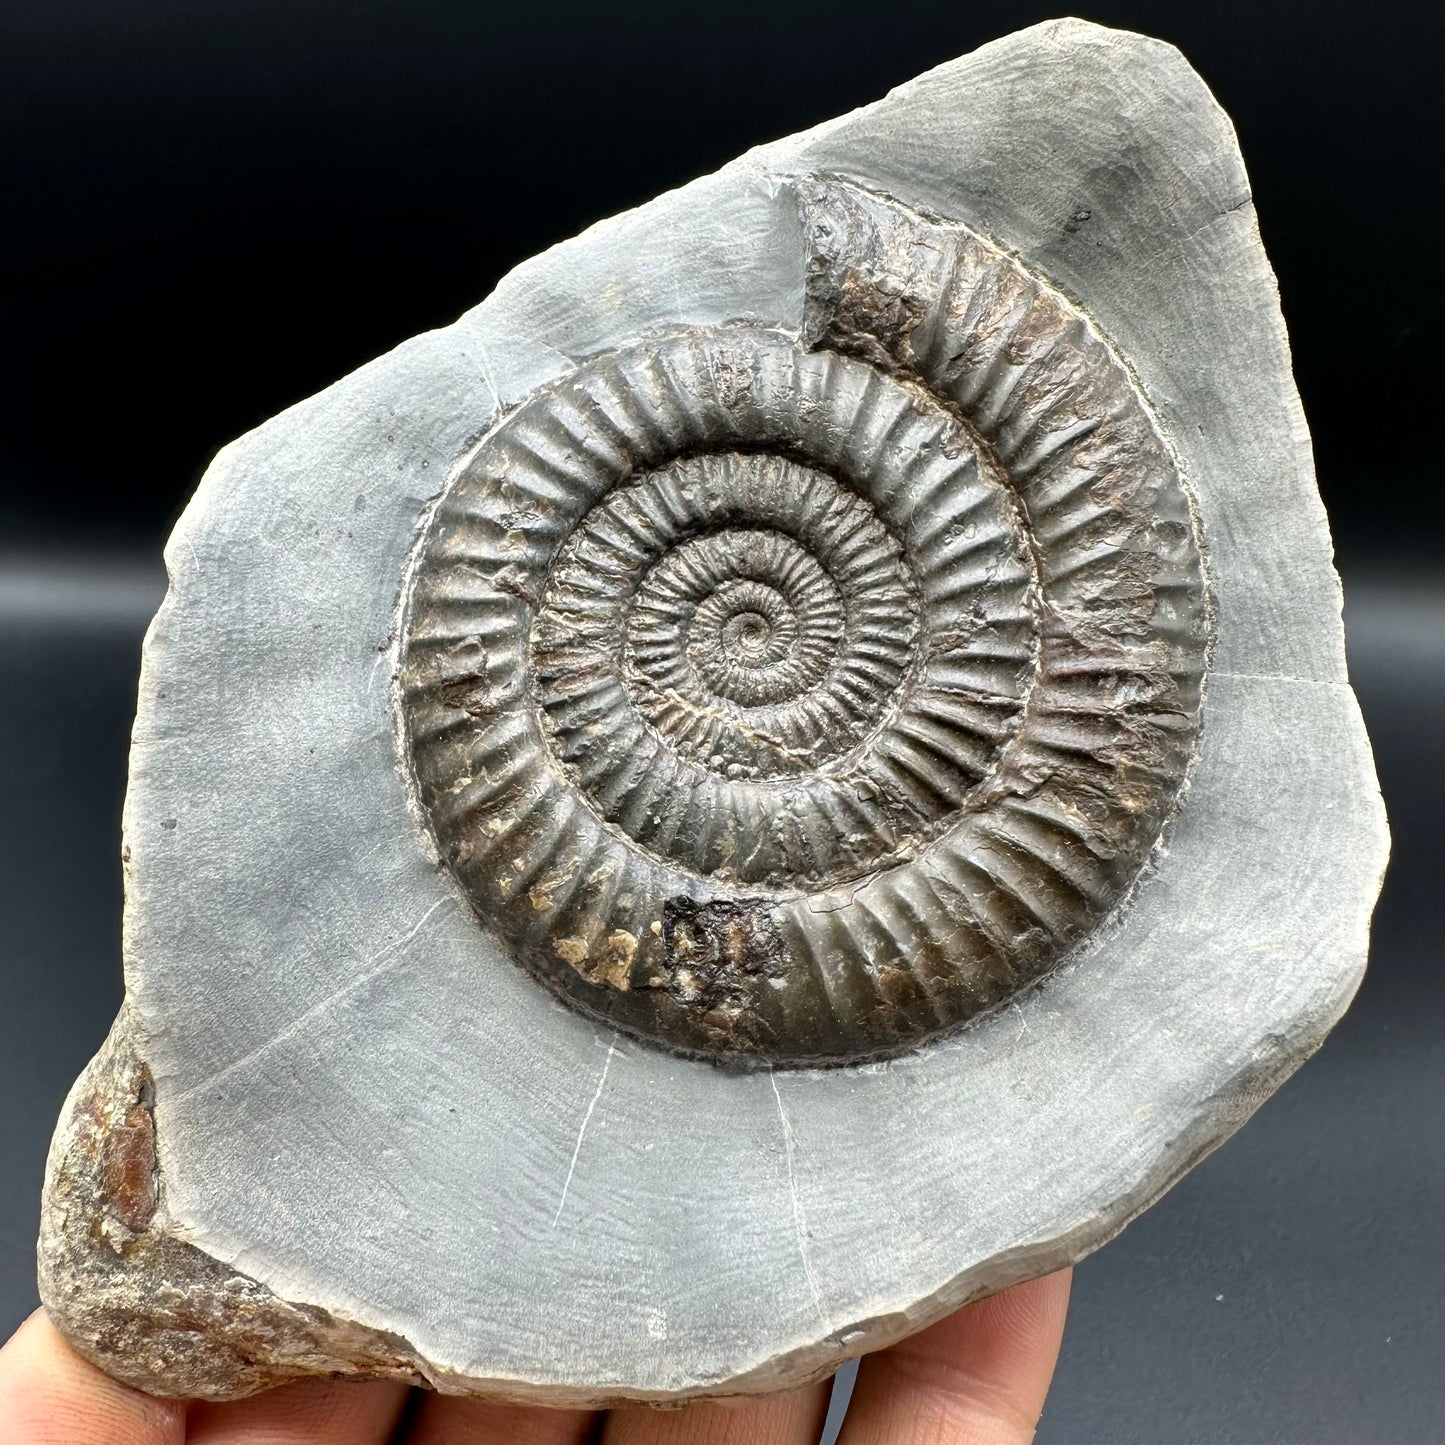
(169, 1319)
(141, 1303)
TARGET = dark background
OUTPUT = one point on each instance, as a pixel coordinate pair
(218, 208)
(213, 209)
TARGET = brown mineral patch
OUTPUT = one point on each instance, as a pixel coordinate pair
(615, 966)
(128, 1163)
(612, 965)
(897, 986)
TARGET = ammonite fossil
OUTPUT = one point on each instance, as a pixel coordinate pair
(791, 769)
(802, 694)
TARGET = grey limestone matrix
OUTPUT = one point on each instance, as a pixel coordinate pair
(791, 769)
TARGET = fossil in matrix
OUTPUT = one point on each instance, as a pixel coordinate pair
(791, 769)
(801, 693)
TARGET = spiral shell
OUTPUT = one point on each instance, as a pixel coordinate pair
(800, 694)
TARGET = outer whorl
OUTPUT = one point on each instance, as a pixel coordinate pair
(801, 695)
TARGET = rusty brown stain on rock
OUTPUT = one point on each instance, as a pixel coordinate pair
(128, 1178)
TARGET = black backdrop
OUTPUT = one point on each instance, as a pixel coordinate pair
(217, 208)
(213, 209)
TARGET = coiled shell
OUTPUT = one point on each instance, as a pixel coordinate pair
(799, 695)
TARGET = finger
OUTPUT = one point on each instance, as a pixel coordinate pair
(446, 1420)
(308, 1412)
(50, 1396)
(792, 1419)
(978, 1377)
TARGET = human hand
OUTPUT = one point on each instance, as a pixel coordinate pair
(976, 1378)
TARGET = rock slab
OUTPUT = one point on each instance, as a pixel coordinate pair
(373, 1108)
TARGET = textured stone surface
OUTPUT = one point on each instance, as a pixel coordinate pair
(339, 1129)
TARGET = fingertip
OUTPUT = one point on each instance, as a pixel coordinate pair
(304, 1412)
(1025, 1315)
(1009, 1341)
(50, 1395)
(978, 1375)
